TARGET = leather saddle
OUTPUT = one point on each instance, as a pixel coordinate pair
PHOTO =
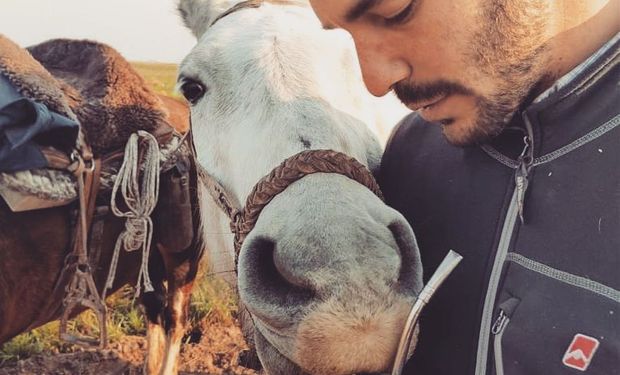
(92, 84)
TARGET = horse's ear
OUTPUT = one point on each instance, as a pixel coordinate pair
(199, 14)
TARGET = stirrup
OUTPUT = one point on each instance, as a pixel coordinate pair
(82, 291)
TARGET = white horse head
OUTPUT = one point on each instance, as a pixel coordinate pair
(329, 272)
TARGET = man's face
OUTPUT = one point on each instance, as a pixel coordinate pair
(466, 64)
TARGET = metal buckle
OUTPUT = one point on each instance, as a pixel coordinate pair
(90, 165)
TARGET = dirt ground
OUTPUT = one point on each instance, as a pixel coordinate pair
(216, 352)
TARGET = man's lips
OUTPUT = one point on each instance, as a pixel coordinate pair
(425, 104)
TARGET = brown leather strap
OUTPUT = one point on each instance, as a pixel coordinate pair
(237, 7)
(82, 290)
(295, 168)
(93, 190)
(243, 220)
(225, 201)
(55, 158)
(253, 4)
(87, 173)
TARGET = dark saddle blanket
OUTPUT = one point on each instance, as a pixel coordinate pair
(25, 125)
(63, 86)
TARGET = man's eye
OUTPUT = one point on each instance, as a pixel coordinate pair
(401, 16)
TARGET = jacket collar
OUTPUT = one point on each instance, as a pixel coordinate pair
(582, 100)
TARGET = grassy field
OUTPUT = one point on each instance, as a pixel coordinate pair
(212, 300)
(161, 77)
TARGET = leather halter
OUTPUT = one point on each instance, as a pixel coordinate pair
(294, 168)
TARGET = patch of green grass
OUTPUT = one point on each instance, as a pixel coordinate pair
(42, 339)
(160, 77)
(124, 318)
(212, 301)
(22, 346)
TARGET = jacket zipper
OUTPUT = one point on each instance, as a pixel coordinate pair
(515, 210)
(526, 161)
(498, 332)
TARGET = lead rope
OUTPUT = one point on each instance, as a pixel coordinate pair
(140, 195)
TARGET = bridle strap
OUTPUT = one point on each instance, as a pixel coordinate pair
(238, 6)
(293, 169)
(249, 4)
(243, 220)
(222, 198)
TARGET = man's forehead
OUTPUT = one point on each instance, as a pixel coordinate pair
(331, 12)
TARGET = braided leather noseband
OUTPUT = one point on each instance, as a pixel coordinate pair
(243, 220)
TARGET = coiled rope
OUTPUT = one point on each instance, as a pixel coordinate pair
(140, 194)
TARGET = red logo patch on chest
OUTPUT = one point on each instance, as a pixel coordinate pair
(580, 352)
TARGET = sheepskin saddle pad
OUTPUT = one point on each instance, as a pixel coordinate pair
(88, 81)
(85, 81)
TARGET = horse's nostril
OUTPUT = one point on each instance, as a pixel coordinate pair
(265, 280)
(410, 275)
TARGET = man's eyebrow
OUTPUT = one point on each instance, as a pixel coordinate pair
(360, 9)
(356, 11)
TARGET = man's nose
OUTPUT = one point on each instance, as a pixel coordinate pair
(380, 63)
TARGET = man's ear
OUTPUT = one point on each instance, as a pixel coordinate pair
(199, 14)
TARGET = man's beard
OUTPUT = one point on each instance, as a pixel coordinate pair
(509, 50)
(491, 117)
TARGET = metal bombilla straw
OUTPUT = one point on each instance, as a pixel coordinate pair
(446, 267)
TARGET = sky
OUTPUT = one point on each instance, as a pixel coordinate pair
(141, 30)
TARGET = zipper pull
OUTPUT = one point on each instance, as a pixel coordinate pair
(522, 182)
(521, 176)
(500, 323)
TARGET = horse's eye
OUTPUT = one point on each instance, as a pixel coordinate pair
(193, 90)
